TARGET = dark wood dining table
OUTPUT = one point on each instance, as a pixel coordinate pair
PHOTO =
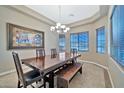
(48, 65)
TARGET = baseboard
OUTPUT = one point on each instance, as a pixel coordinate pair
(7, 72)
(104, 67)
(84, 61)
(10, 71)
(111, 79)
(117, 65)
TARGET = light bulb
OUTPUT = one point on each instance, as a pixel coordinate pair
(63, 26)
(52, 28)
(57, 27)
(58, 24)
(67, 28)
(58, 31)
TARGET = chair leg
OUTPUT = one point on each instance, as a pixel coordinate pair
(44, 83)
(36, 82)
(19, 84)
(25, 86)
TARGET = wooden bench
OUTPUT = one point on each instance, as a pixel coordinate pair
(66, 75)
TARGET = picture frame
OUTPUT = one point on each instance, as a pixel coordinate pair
(19, 37)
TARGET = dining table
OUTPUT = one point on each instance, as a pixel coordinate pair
(47, 65)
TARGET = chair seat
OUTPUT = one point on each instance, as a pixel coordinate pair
(32, 76)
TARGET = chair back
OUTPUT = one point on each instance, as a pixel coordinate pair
(74, 51)
(18, 67)
(53, 53)
(40, 52)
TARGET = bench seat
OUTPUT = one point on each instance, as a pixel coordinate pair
(66, 75)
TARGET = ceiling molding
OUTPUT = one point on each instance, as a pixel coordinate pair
(85, 21)
(102, 12)
(32, 13)
(63, 14)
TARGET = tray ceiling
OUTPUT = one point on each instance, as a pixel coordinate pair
(69, 13)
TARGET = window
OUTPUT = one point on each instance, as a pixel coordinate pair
(74, 41)
(80, 41)
(83, 41)
(100, 40)
(61, 42)
(117, 34)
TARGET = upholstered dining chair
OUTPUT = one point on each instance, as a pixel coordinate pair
(53, 53)
(28, 78)
(40, 52)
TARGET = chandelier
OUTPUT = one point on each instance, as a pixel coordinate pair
(59, 28)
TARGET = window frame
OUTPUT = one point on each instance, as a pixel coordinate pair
(111, 38)
(87, 42)
(62, 35)
(78, 41)
(70, 39)
(111, 33)
(97, 40)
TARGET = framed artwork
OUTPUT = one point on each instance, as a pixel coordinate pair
(19, 37)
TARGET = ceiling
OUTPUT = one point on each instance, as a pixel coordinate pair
(69, 13)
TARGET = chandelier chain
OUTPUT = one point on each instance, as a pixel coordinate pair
(60, 13)
(59, 27)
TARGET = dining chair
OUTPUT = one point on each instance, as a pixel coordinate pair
(40, 52)
(28, 78)
(53, 53)
(74, 51)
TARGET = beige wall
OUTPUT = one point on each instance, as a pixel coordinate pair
(116, 71)
(91, 55)
(13, 16)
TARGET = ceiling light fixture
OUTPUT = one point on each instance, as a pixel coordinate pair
(59, 28)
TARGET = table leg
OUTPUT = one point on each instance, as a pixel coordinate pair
(44, 81)
(51, 80)
(80, 70)
(73, 60)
